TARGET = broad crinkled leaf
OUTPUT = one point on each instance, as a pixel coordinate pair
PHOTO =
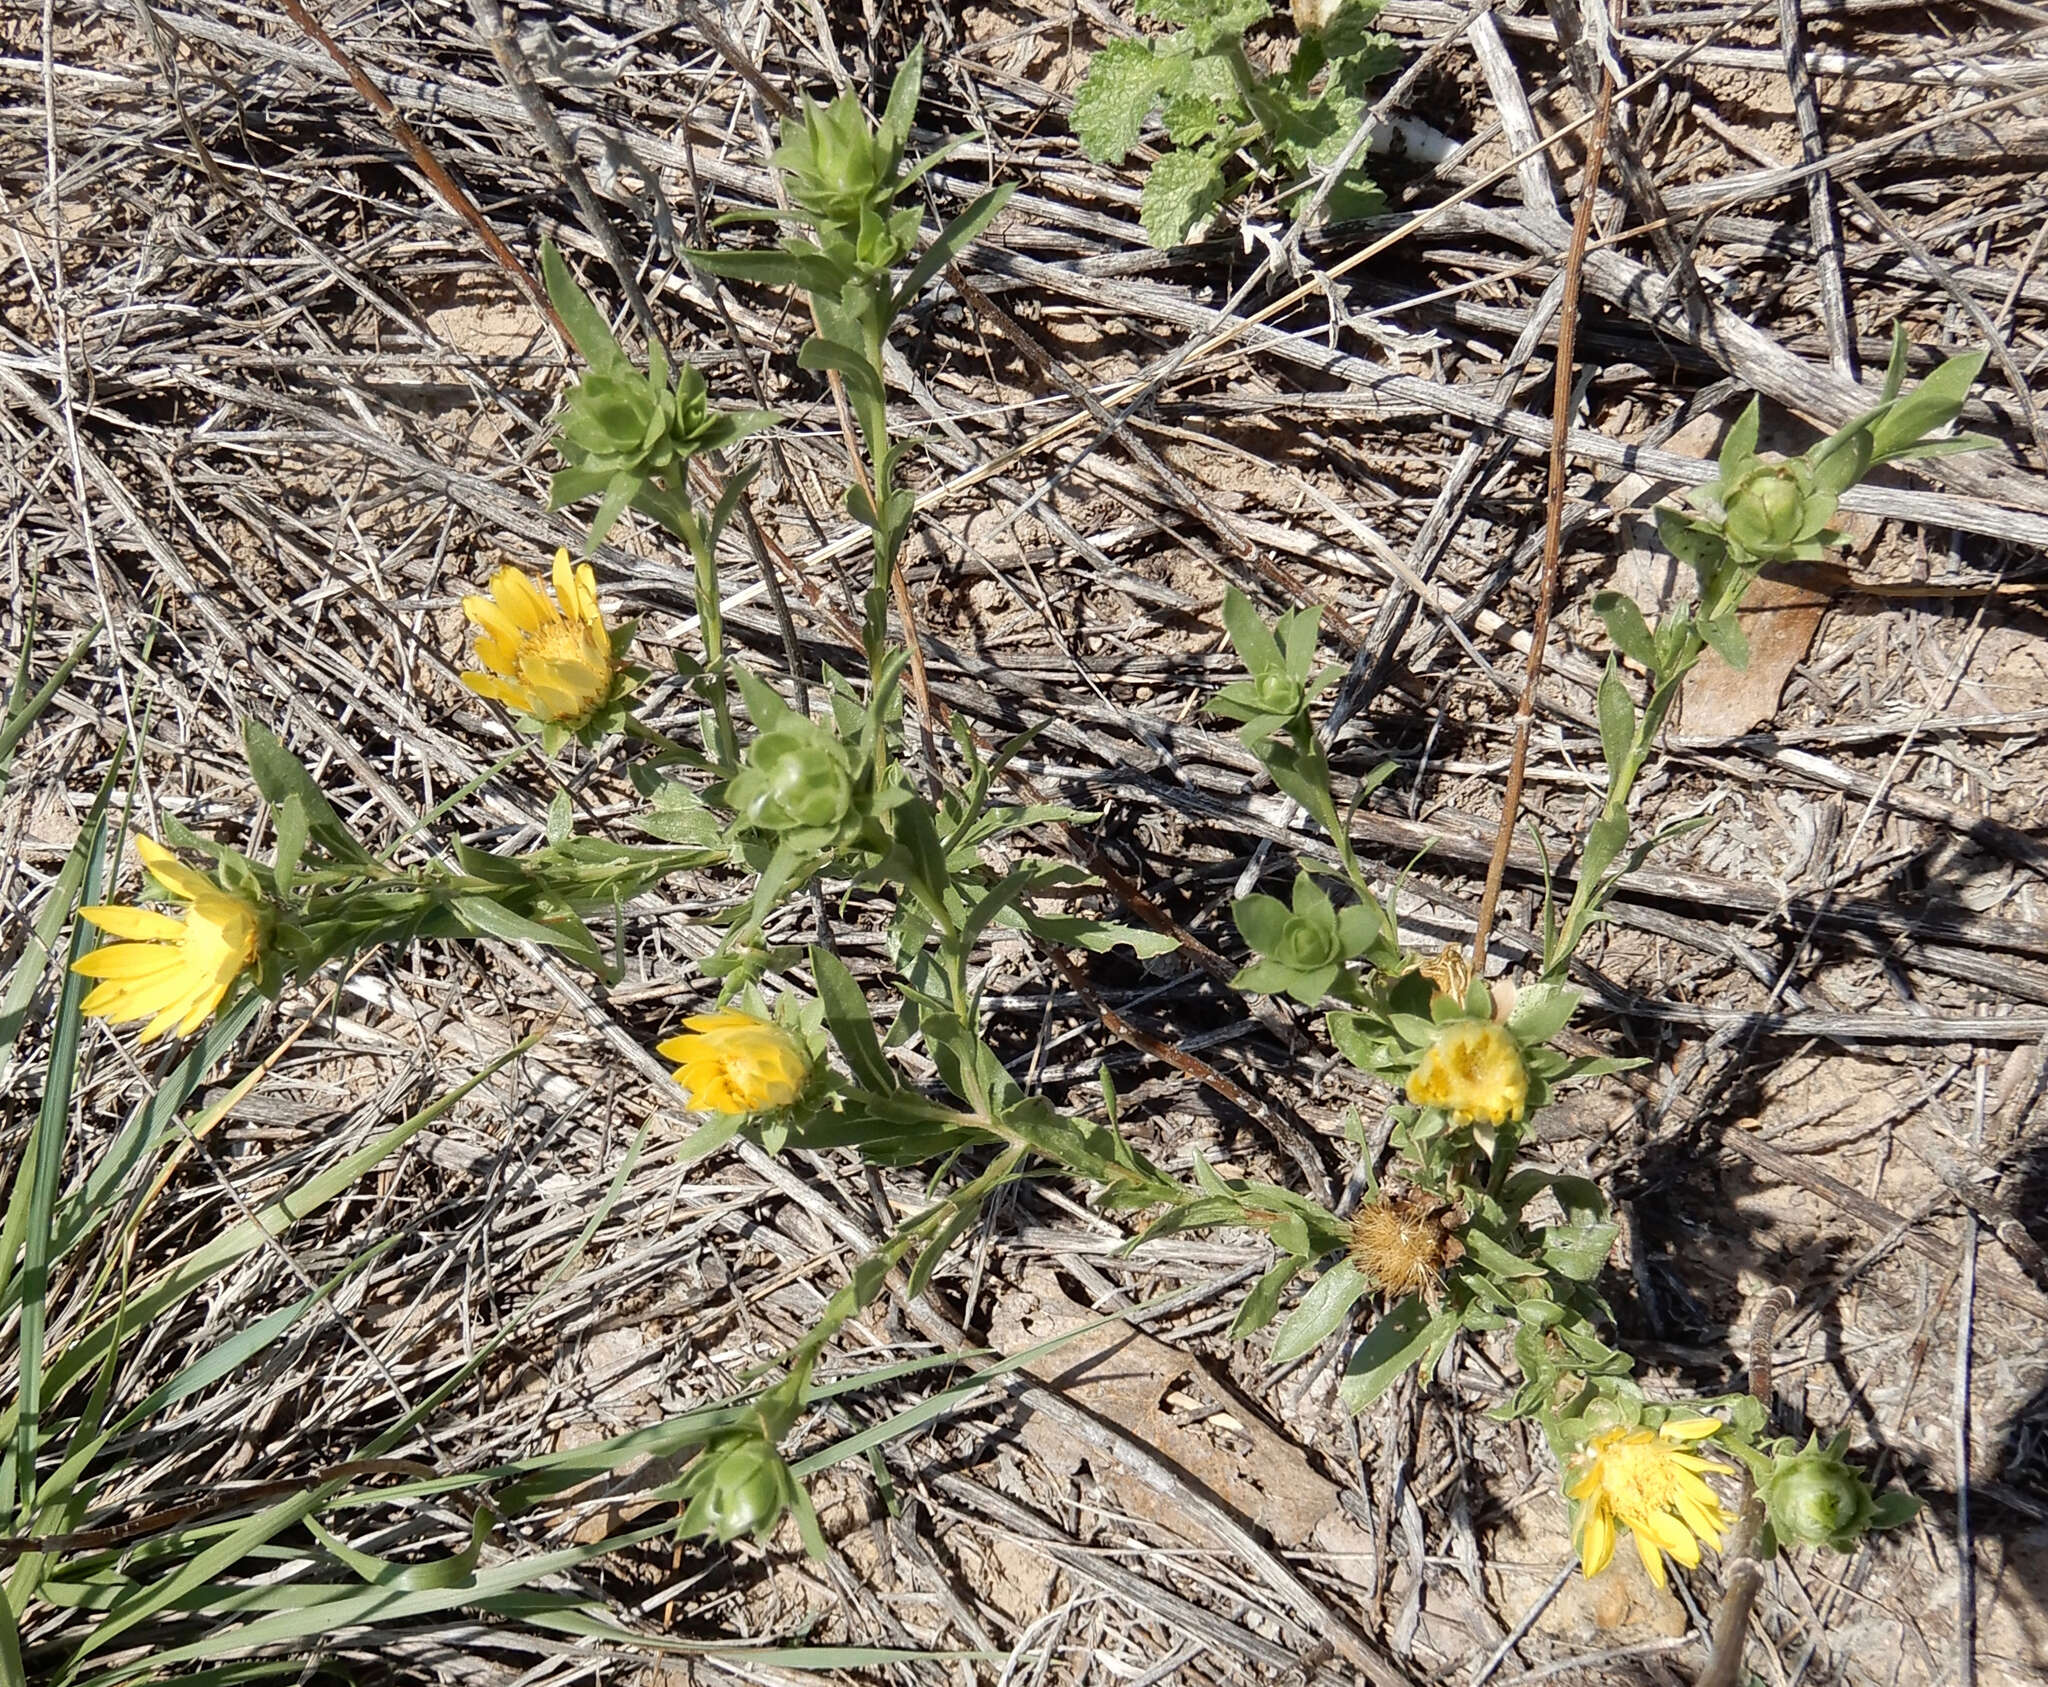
(1123, 83)
(1184, 187)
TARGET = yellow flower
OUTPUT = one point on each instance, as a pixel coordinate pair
(1646, 1482)
(549, 661)
(1473, 1071)
(172, 972)
(734, 1063)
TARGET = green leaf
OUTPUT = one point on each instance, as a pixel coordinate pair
(1740, 445)
(486, 918)
(1604, 841)
(1929, 407)
(1579, 1249)
(1262, 1305)
(289, 819)
(953, 239)
(1617, 722)
(1495, 1258)
(1326, 1305)
(280, 774)
(1626, 627)
(1895, 368)
(1725, 637)
(585, 322)
(852, 1026)
(1183, 188)
(1123, 83)
(1208, 21)
(1397, 1341)
(1543, 1010)
(1252, 639)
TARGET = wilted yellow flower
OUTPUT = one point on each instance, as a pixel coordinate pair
(550, 661)
(1646, 1482)
(1473, 1071)
(172, 972)
(734, 1063)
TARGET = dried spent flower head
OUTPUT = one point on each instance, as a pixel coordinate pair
(1450, 971)
(1403, 1244)
(1473, 1071)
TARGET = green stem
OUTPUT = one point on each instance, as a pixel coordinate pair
(1593, 887)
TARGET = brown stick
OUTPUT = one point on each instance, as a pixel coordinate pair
(1553, 535)
(431, 167)
(1745, 1574)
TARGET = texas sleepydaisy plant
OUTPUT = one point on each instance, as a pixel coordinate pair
(172, 971)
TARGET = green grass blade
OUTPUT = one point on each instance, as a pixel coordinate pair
(171, 1287)
(22, 711)
(46, 1152)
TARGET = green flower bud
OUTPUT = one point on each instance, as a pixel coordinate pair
(745, 1490)
(1766, 510)
(1308, 945)
(1277, 693)
(795, 778)
(1814, 1496)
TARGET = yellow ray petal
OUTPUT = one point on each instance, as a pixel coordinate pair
(521, 600)
(1653, 1560)
(1596, 1549)
(144, 925)
(130, 961)
(169, 871)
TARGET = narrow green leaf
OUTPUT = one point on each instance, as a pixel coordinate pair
(953, 239)
(1326, 1305)
(1617, 723)
(1626, 627)
(586, 324)
(851, 1024)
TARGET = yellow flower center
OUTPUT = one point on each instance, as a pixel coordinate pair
(1638, 1477)
(1473, 1071)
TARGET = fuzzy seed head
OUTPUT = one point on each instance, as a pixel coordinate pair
(1402, 1244)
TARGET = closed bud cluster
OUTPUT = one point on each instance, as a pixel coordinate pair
(739, 1485)
(795, 779)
